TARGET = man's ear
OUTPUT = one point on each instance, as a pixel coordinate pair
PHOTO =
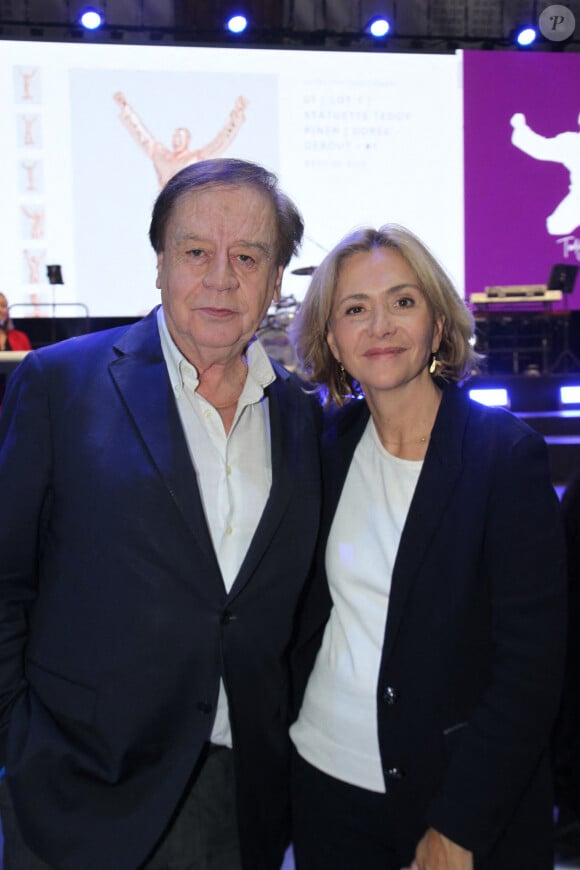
(278, 284)
(159, 269)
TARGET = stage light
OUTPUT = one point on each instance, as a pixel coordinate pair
(570, 395)
(526, 36)
(378, 27)
(237, 23)
(91, 19)
(493, 396)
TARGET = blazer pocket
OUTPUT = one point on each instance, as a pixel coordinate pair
(60, 695)
(452, 736)
(448, 732)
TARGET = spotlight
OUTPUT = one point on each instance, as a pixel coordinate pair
(526, 36)
(378, 27)
(237, 23)
(91, 19)
(494, 396)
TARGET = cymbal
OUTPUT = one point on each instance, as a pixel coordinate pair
(304, 270)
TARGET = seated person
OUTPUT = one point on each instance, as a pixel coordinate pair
(10, 338)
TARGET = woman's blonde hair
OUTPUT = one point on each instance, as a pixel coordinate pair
(456, 356)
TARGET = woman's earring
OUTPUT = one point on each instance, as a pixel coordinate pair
(342, 384)
(434, 364)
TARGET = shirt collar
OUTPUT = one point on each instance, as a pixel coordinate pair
(260, 370)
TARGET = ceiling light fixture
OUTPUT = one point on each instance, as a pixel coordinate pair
(91, 19)
(237, 23)
(378, 27)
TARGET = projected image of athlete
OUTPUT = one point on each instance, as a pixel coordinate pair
(169, 161)
(563, 148)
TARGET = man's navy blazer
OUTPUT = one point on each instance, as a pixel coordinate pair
(472, 659)
(115, 625)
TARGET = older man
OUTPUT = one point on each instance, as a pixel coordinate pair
(164, 500)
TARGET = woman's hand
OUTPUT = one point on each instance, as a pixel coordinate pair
(436, 852)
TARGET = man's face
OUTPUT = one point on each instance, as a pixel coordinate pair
(218, 272)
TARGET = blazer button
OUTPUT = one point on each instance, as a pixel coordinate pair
(395, 773)
(204, 707)
(391, 695)
(227, 617)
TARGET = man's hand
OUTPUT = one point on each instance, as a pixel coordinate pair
(436, 852)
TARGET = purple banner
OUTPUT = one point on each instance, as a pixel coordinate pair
(522, 168)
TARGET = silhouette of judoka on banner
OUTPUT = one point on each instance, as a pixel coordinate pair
(565, 149)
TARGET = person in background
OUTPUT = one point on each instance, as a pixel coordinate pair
(429, 658)
(566, 736)
(164, 507)
(10, 338)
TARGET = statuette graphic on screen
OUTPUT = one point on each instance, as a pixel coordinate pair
(168, 161)
(563, 148)
(35, 222)
(26, 77)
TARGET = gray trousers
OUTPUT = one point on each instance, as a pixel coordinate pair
(203, 834)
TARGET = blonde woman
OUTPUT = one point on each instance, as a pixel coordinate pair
(429, 658)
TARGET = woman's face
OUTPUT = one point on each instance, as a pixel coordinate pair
(381, 327)
(3, 308)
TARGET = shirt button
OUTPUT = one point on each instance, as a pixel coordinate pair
(228, 530)
(228, 469)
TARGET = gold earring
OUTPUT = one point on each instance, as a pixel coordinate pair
(434, 364)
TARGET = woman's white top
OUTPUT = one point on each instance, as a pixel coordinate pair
(337, 730)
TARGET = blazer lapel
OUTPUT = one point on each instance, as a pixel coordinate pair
(141, 377)
(435, 487)
(341, 436)
(343, 430)
(285, 446)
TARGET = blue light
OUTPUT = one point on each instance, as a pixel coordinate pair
(492, 396)
(570, 395)
(378, 27)
(91, 19)
(237, 23)
(526, 36)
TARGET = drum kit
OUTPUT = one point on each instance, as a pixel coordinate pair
(273, 331)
